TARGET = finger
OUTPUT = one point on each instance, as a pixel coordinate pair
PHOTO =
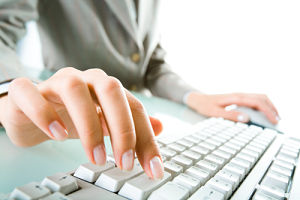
(28, 99)
(269, 102)
(156, 125)
(252, 102)
(105, 130)
(114, 105)
(230, 115)
(146, 148)
(75, 95)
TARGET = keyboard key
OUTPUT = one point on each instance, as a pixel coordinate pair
(209, 166)
(222, 154)
(173, 168)
(56, 196)
(140, 187)
(207, 145)
(201, 150)
(200, 137)
(228, 149)
(168, 153)
(246, 157)
(221, 186)
(30, 191)
(188, 182)
(288, 153)
(272, 191)
(207, 193)
(89, 191)
(241, 162)
(185, 143)
(262, 195)
(115, 178)
(214, 142)
(237, 169)
(170, 191)
(60, 182)
(230, 177)
(193, 139)
(249, 152)
(233, 146)
(285, 158)
(201, 174)
(281, 170)
(194, 156)
(183, 161)
(288, 166)
(276, 180)
(177, 147)
(215, 159)
(90, 172)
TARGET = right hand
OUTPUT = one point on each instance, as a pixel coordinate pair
(64, 106)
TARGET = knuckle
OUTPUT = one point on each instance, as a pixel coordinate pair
(111, 83)
(18, 84)
(96, 71)
(136, 105)
(127, 135)
(66, 70)
(71, 81)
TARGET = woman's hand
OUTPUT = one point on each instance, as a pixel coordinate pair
(214, 105)
(85, 104)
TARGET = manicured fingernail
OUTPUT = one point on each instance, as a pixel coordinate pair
(277, 118)
(156, 168)
(58, 131)
(99, 154)
(127, 160)
(243, 118)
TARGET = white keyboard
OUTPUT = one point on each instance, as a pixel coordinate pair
(219, 160)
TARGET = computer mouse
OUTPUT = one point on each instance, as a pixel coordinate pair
(256, 117)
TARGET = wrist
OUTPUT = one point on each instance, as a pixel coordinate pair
(194, 98)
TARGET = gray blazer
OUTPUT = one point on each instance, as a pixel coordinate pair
(118, 36)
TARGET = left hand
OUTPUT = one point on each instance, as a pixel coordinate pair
(214, 105)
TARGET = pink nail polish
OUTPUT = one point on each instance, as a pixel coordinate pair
(127, 160)
(99, 154)
(58, 131)
(157, 168)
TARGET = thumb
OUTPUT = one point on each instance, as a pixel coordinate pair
(232, 115)
(156, 125)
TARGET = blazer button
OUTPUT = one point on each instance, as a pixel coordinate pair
(135, 57)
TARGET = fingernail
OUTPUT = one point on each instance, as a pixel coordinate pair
(156, 168)
(277, 118)
(58, 131)
(99, 154)
(127, 160)
(243, 118)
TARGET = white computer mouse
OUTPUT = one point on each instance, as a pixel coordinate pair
(256, 117)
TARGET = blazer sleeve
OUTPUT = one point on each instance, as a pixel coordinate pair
(162, 81)
(13, 16)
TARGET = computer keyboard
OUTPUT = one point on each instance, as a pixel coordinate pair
(218, 160)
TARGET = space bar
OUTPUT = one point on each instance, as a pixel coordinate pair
(89, 191)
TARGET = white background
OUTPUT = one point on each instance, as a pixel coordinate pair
(230, 46)
(238, 46)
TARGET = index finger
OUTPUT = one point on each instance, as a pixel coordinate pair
(146, 147)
